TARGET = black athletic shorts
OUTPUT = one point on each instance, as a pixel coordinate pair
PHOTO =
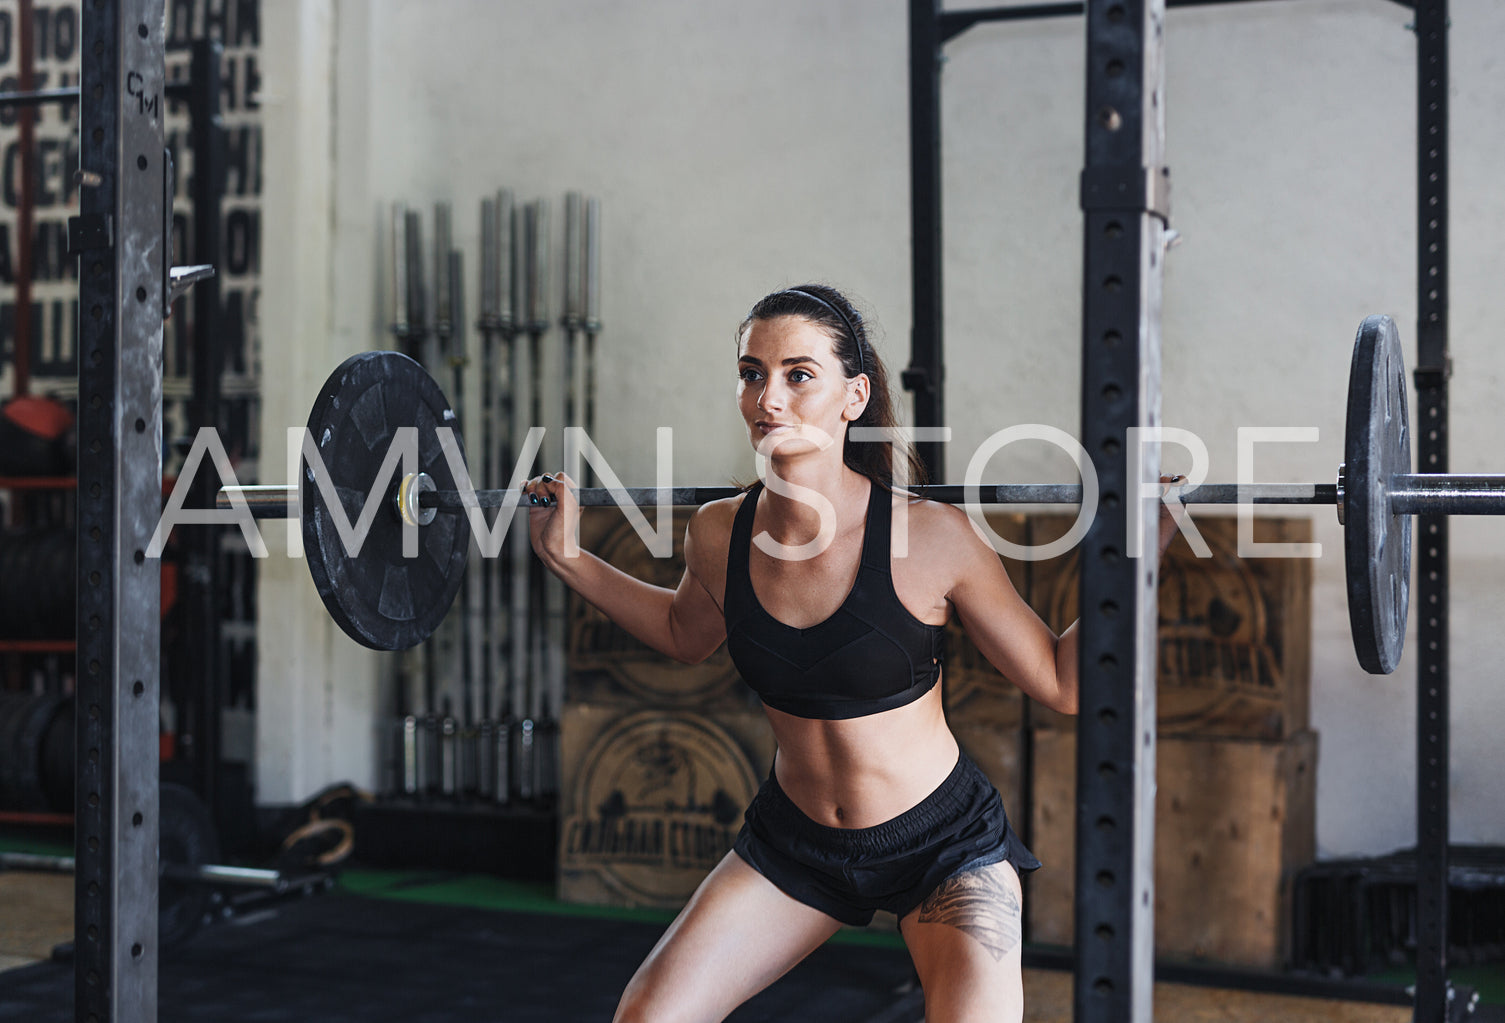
(849, 873)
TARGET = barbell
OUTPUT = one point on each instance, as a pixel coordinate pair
(188, 881)
(388, 601)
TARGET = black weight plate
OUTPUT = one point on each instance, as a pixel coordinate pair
(381, 599)
(1376, 541)
(57, 760)
(13, 706)
(24, 564)
(65, 569)
(9, 584)
(186, 837)
(24, 721)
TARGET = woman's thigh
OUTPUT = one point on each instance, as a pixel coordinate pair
(737, 935)
(965, 939)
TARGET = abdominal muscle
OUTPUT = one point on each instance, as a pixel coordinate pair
(863, 771)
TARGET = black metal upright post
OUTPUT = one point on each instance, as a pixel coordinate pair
(1432, 724)
(200, 588)
(120, 234)
(925, 375)
(1124, 200)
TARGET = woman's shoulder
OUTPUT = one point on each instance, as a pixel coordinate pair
(934, 526)
(711, 523)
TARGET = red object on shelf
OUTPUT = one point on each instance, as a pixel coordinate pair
(38, 482)
(37, 646)
(42, 417)
(46, 819)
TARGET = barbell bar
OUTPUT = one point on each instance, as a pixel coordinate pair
(1409, 494)
(387, 601)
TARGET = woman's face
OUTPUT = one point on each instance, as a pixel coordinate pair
(792, 392)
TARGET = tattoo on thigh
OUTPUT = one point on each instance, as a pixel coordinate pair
(980, 903)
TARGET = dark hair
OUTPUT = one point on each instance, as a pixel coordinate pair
(834, 313)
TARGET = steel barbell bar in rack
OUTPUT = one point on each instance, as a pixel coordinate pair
(1409, 494)
(386, 601)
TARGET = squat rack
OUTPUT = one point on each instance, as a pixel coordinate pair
(1122, 245)
(122, 235)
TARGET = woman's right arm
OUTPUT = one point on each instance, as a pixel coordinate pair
(683, 623)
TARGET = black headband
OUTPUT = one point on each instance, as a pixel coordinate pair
(856, 338)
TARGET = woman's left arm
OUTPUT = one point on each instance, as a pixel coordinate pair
(1005, 629)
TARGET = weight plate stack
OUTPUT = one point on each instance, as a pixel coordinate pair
(25, 723)
(37, 584)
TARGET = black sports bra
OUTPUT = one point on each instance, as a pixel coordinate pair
(871, 655)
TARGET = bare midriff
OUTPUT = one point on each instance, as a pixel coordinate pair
(859, 772)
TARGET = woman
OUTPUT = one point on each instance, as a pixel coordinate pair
(832, 592)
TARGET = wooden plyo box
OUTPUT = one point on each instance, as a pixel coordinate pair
(1234, 822)
(1234, 633)
(608, 665)
(652, 799)
(658, 759)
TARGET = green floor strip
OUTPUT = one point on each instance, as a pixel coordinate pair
(1488, 979)
(482, 891)
(25, 844)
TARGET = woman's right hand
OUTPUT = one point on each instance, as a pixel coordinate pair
(553, 515)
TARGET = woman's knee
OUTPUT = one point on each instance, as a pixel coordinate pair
(639, 1004)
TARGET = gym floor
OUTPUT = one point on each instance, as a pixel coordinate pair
(416, 947)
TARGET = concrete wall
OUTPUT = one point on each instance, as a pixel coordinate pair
(741, 147)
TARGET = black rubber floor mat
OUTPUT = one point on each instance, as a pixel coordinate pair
(344, 959)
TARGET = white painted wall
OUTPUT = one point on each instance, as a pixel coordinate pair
(741, 147)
